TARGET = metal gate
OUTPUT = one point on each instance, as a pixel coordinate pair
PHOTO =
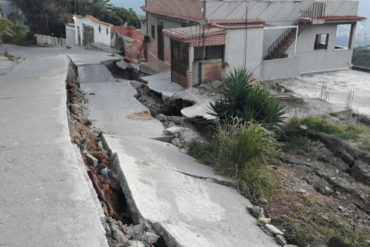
(88, 35)
(179, 61)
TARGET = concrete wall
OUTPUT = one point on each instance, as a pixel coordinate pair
(250, 56)
(280, 68)
(102, 37)
(153, 46)
(312, 60)
(70, 36)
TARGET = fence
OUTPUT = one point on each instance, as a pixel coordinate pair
(45, 40)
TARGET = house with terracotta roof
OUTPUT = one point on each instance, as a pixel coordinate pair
(274, 39)
(88, 29)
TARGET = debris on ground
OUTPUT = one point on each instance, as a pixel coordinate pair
(140, 116)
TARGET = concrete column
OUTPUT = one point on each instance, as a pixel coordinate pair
(76, 31)
(352, 35)
(191, 58)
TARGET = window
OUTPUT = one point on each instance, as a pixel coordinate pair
(212, 52)
(344, 36)
(153, 31)
(321, 41)
(99, 29)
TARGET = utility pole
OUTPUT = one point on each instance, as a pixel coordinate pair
(204, 23)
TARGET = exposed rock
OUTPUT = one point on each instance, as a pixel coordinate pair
(273, 229)
(135, 231)
(150, 238)
(262, 201)
(338, 242)
(361, 172)
(280, 239)
(263, 221)
(135, 243)
(256, 211)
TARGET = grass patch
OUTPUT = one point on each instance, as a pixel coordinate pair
(8, 55)
(321, 124)
(307, 228)
(299, 143)
(241, 151)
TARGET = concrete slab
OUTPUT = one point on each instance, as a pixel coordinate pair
(111, 105)
(161, 83)
(93, 73)
(338, 83)
(26, 121)
(189, 211)
(154, 67)
(183, 200)
(6, 65)
(45, 199)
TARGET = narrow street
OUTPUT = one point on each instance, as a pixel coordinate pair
(181, 199)
(46, 199)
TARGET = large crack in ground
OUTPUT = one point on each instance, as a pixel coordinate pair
(118, 221)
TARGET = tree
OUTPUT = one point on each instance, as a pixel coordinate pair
(5, 29)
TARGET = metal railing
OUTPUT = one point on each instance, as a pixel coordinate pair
(315, 11)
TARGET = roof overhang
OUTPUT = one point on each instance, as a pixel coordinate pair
(238, 23)
(343, 19)
(93, 19)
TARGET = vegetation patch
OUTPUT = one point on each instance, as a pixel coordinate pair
(321, 124)
(361, 57)
(300, 143)
(239, 98)
(241, 151)
(308, 227)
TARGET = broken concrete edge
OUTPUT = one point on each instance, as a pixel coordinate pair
(81, 164)
(135, 213)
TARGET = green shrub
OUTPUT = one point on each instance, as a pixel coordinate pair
(243, 151)
(20, 36)
(200, 151)
(239, 98)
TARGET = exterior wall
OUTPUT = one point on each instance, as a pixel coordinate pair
(103, 37)
(250, 56)
(312, 60)
(181, 9)
(280, 68)
(70, 36)
(153, 46)
(274, 12)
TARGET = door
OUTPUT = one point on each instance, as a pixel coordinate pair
(88, 35)
(179, 62)
(160, 41)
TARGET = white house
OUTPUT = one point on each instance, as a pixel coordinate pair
(88, 29)
(272, 38)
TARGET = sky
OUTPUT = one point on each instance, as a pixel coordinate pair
(134, 4)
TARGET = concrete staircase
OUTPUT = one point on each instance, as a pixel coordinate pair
(279, 47)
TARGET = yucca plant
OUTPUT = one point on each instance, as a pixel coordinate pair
(239, 98)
